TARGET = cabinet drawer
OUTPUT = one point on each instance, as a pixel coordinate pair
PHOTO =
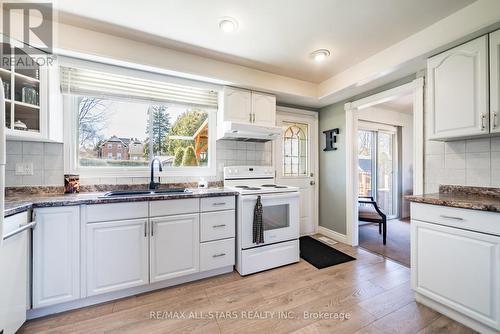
(218, 203)
(480, 221)
(217, 225)
(174, 207)
(217, 254)
(116, 211)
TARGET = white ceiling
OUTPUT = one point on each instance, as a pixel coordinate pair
(275, 36)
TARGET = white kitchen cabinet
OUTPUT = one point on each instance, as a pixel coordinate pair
(263, 109)
(236, 105)
(457, 90)
(247, 107)
(174, 246)
(495, 82)
(56, 255)
(116, 255)
(455, 263)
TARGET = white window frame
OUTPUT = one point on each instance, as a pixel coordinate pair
(70, 103)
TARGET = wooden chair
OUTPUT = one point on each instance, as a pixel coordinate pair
(368, 211)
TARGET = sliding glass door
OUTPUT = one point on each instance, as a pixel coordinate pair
(377, 166)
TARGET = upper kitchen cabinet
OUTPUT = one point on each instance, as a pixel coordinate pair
(263, 109)
(25, 81)
(457, 90)
(244, 106)
(236, 105)
(495, 82)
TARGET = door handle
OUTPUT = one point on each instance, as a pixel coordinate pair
(483, 125)
(253, 121)
(495, 124)
(21, 228)
(250, 120)
(145, 229)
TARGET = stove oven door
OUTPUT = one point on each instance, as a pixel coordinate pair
(280, 218)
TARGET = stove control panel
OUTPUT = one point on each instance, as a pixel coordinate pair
(248, 172)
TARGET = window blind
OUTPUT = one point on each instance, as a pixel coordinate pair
(79, 81)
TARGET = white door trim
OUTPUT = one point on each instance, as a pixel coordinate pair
(314, 154)
(416, 87)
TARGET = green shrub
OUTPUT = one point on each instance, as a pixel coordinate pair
(179, 154)
(189, 158)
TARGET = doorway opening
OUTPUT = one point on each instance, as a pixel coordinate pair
(385, 163)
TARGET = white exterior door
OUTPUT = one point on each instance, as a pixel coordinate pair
(441, 253)
(495, 81)
(56, 256)
(237, 105)
(175, 246)
(117, 255)
(296, 156)
(458, 91)
(263, 109)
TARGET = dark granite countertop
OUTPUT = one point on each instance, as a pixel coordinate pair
(22, 202)
(474, 198)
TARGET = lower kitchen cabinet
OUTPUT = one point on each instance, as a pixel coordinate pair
(56, 256)
(456, 267)
(116, 255)
(174, 246)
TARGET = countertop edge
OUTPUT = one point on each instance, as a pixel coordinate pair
(461, 204)
(47, 202)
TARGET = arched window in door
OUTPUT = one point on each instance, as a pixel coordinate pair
(295, 137)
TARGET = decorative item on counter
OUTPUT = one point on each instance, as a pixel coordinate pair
(6, 89)
(202, 183)
(18, 125)
(29, 95)
(71, 183)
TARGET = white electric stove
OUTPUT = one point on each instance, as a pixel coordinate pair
(280, 219)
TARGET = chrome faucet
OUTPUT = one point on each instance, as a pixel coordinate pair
(152, 184)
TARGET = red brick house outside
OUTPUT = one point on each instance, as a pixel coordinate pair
(116, 148)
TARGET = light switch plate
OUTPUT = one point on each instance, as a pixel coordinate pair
(24, 168)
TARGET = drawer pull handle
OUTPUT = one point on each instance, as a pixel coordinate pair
(219, 255)
(451, 217)
(220, 225)
(219, 203)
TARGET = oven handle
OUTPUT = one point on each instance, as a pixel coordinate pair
(271, 196)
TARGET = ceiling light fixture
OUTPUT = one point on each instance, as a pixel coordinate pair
(320, 55)
(228, 24)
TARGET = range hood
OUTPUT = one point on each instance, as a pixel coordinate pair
(248, 132)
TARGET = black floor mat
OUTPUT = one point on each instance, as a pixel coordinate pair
(320, 255)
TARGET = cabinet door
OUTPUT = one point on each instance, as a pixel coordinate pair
(264, 109)
(56, 256)
(457, 91)
(237, 105)
(459, 269)
(174, 246)
(117, 255)
(495, 81)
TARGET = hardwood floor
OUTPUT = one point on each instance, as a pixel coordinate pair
(369, 295)
(397, 247)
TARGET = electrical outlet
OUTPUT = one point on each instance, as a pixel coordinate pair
(24, 168)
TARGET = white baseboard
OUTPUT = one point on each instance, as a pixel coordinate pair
(333, 235)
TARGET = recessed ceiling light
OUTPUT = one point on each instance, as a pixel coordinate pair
(228, 24)
(320, 55)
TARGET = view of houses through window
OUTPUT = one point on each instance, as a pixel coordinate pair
(121, 133)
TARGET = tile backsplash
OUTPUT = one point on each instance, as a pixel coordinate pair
(473, 162)
(48, 163)
(47, 160)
